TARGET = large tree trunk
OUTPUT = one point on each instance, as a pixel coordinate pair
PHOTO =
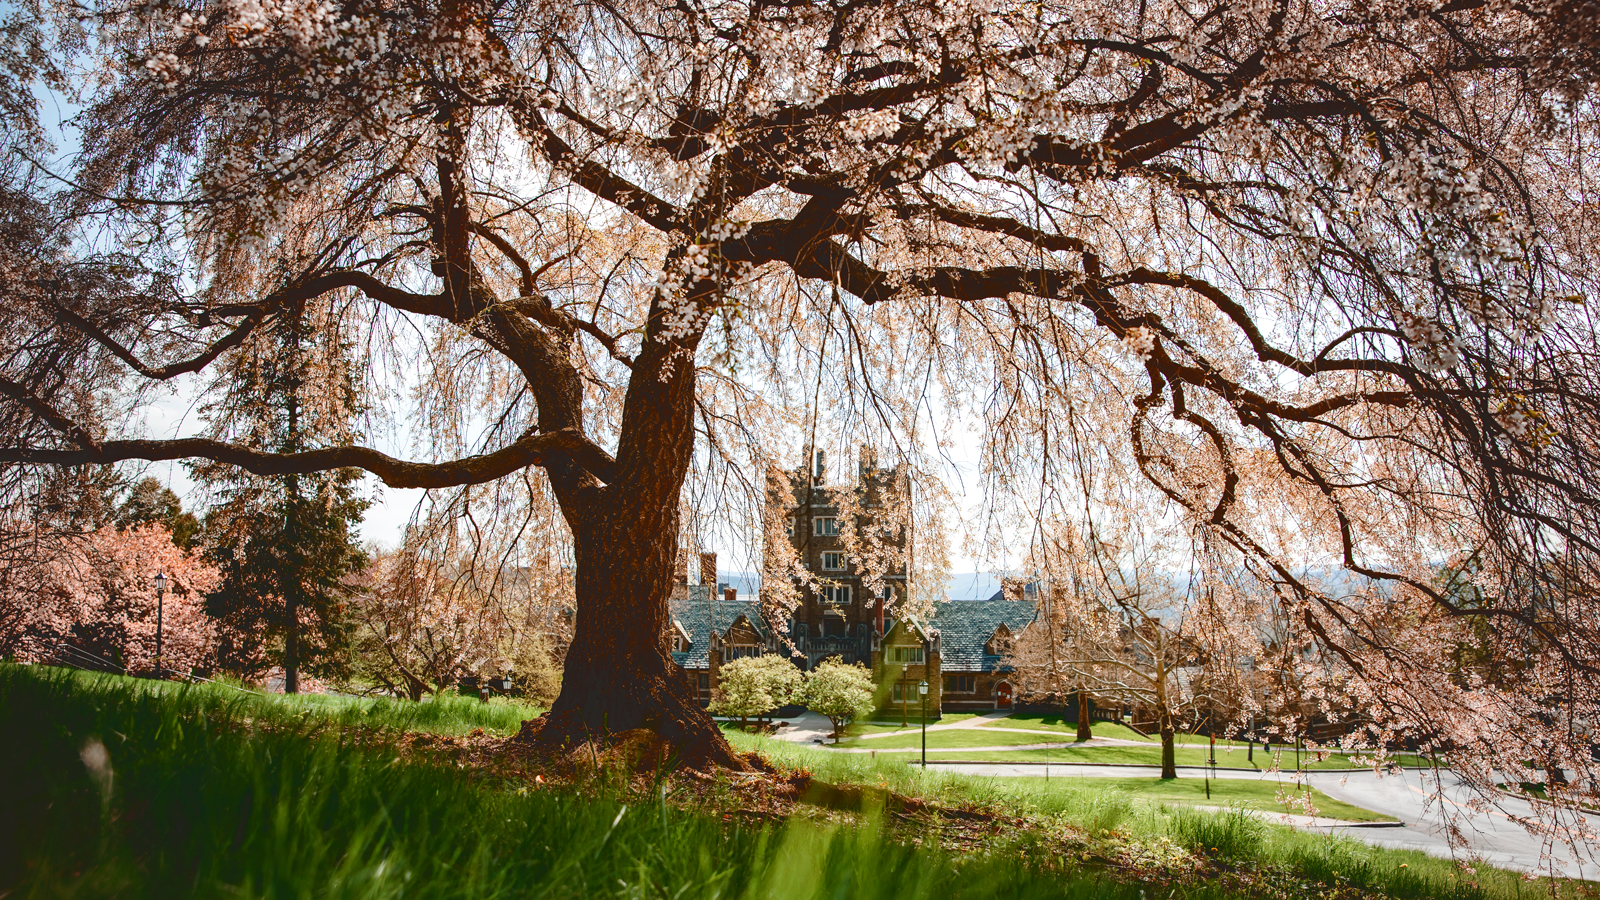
(618, 674)
(1085, 733)
(1169, 749)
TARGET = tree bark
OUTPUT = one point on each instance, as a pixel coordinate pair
(1169, 750)
(618, 674)
(1085, 733)
(291, 644)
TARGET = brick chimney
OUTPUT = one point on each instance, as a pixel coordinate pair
(708, 570)
(730, 594)
(680, 567)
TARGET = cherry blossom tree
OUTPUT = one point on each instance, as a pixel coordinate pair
(423, 623)
(97, 597)
(1318, 267)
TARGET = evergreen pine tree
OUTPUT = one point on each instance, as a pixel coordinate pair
(286, 546)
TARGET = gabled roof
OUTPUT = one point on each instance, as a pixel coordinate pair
(699, 615)
(965, 628)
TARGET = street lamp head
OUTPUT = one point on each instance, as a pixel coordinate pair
(161, 583)
(922, 687)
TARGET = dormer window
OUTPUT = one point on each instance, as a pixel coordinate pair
(679, 645)
(1001, 642)
(825, 526)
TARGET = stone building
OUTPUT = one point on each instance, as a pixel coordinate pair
(842, 617)
(709, 625)
(959, 651)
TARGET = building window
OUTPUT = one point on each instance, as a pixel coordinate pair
(899, 692)
(735, 651)
(960, 684)
(836, 594)
(825, 526)
(679, 645)
(705, 682)
(833, 562)
(905, 655)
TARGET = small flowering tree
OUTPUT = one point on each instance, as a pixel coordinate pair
(753, 686)
(841, 692)
(95, 601)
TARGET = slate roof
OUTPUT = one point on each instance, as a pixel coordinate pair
(965, 626)
(699, 615)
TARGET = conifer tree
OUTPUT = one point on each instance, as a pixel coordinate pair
(286, 545)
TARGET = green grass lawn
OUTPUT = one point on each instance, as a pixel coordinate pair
(117, 788)
(111, 789)
(1123, 755)
(881, 725)
(1232, 792)
(1055, 723)
(1150, 809)
(448, 713)
(955, 737)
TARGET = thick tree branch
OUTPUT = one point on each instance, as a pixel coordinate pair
(539, 449)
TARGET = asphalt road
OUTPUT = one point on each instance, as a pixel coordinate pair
(1430, 807)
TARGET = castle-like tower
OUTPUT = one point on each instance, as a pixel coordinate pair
(841, 618)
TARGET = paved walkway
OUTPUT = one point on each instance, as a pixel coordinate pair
(1440, 814)
(806, 728)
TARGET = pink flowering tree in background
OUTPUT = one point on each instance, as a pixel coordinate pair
(95, 601)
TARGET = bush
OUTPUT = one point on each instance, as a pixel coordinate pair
(754, 686)
(839, 692)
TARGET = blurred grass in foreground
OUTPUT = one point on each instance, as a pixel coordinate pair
(109, 788)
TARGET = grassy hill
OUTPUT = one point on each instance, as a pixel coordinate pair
(112, 787)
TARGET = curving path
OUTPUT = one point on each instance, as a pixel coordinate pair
(1430, 806)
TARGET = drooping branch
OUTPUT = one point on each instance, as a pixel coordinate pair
(540, 449)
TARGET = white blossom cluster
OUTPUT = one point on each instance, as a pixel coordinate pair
(1438, 350)
(872, 126)
(1141, 341)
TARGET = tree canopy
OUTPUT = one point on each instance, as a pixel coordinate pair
(1314, 274)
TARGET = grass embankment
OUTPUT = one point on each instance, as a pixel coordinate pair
(1039, 791)
(893, 723)
(1146, 753)
(111, 789)
(1224, 792)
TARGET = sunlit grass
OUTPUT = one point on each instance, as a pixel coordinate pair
(208, 792)
(1104, 806)
(1124, 755)
(1225, 792)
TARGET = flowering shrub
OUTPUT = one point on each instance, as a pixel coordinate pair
(96, 595)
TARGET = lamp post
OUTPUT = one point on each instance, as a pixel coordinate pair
(922, 688)
(161, 592)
